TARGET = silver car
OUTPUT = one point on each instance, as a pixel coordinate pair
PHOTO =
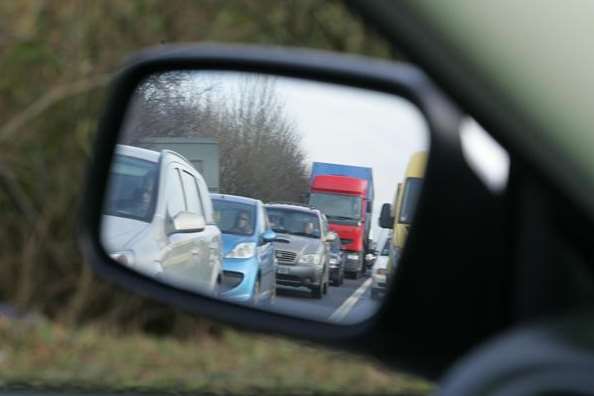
(158, 219)
(301, 247)
(379, 271)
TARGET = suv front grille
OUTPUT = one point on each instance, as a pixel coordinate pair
(285, 256)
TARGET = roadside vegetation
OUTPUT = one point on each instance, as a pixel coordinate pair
(56, 60)
(45, 355)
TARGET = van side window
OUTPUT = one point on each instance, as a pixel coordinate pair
(174, 193)
(192, 194)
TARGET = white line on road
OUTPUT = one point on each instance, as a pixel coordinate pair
(349, 303)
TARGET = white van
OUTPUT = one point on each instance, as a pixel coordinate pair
(158, 219)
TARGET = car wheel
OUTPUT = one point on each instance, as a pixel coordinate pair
(325, 288)
(317, 292)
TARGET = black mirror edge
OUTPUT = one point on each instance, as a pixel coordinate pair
(383, 336)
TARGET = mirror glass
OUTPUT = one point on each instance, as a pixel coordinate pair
(266, 190)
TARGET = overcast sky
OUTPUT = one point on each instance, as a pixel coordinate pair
(357, 127)
(346, 125)
(354, 126)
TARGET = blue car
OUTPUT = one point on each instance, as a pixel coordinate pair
(249, 265)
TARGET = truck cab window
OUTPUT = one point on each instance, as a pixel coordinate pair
(336, 206)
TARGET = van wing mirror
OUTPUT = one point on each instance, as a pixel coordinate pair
(188, 222)
(386, 220)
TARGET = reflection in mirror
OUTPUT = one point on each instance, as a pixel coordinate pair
(289, 195)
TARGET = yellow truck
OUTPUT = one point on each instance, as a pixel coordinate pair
(398, 216)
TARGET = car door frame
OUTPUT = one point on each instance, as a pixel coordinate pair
(178, 245)
(216, 242)
(324, 231)
(200, 239)
(265, 249)
(206, 240)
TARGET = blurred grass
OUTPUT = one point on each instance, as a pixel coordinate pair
(49, 355)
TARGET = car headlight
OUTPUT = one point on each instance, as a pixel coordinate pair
(125, 257)
(333, 261)
(353, 256)
(242, 250)
(311, 259)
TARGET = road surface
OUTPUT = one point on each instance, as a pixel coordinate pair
(346, 304)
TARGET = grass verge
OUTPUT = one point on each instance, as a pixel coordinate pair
(48, 355)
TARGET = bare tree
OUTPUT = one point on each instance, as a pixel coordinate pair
(169, 104)
(260, 149)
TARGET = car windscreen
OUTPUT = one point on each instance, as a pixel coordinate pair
(412, 191)
(294, 222)
(132, 189)
(337, 207)
(234, 217)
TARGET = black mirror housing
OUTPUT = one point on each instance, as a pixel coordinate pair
(401, 332)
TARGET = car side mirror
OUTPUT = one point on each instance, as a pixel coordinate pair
(188, 222)
(386, 220)
(401, 95)
(268, 236)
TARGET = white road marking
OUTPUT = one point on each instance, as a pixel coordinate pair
(350, 302)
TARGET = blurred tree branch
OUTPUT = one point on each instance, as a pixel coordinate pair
(53, 96)
(18, 198)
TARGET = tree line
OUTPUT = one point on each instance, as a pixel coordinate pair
(259, 144)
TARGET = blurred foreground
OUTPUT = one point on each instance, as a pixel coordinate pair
(41, 354)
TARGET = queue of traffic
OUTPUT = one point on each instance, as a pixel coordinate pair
(160, 219)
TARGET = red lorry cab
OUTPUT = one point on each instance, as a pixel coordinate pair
(343, 200)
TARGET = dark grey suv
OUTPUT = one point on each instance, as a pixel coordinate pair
(302, 246)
